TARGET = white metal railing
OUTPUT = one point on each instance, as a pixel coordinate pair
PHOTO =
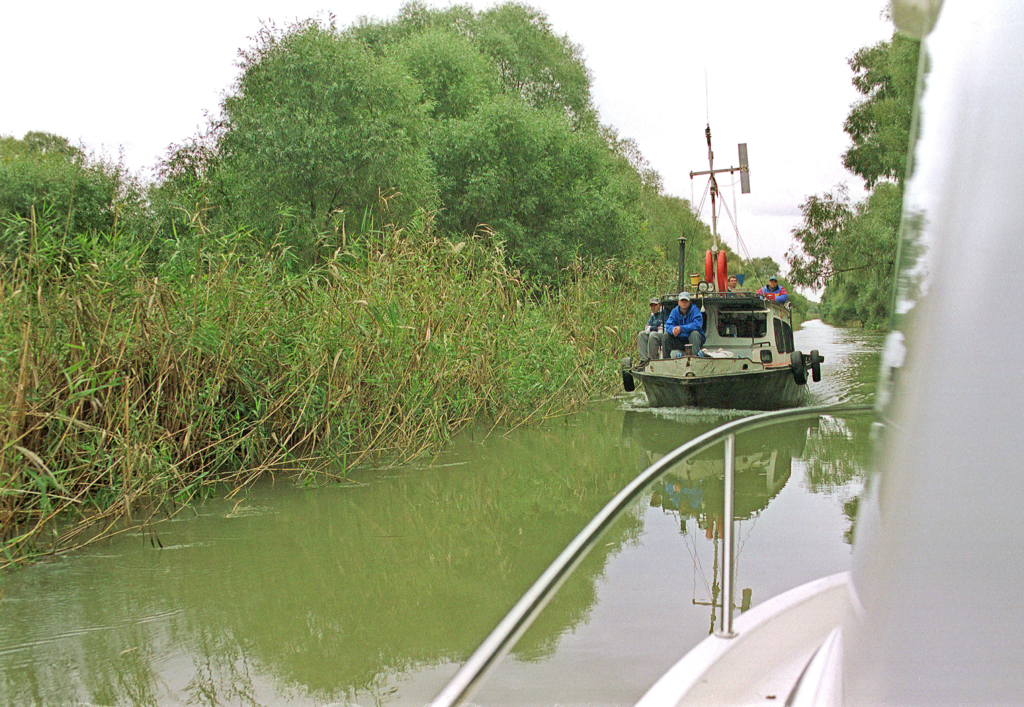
(475, 670)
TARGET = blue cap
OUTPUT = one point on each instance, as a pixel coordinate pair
(774, 277)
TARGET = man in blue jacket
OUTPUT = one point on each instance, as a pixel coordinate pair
(684, 326)
(648, 342)
(773, 290)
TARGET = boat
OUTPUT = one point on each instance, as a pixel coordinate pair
(930, 613)
(748, 361)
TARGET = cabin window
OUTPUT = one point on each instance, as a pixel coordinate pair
(783, 336)
(744, 325)
(780, 340)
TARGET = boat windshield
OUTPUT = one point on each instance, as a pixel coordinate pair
(747, 325)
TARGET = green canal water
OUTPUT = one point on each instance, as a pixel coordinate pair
(372, 592)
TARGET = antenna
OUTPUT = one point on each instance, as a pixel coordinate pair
(707, 101)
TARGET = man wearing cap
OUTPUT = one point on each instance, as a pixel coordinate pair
(773, 290)
(648, 343)
(685, 325)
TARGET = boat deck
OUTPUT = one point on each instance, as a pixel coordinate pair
(773, 644)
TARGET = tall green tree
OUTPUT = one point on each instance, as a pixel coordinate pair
(822, 238)
(514, 141)
(545, 69)
(879, 125)
(319, 127)
(850, 250)
(483, 118)
(455, 77)
(532, 62)
(40, 145)
(43, 175)
(550, 191)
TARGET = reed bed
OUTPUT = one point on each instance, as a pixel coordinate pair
(129, 388)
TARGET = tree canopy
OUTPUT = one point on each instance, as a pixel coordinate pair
(45, 176)
(879, 125)
(317, 125)
(850, 250)
(481, 119)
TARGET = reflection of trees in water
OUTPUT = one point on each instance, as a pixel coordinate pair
(837, 452)
(850, 508)
(337, 591)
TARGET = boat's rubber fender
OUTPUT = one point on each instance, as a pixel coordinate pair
(628, 384)
(723, 272)
(709, 266)
(796, 359)
(816, 360)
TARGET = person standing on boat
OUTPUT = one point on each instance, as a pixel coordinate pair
(648, 343)
(685, 325)
(773, 290)
(734, 284)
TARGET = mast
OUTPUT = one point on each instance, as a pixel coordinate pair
(714, 191)
(744, 171)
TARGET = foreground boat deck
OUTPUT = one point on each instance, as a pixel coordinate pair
(774, 643)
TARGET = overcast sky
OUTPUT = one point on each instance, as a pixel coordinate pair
(134, 77)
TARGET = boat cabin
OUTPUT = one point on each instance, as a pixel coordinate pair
(745, 325)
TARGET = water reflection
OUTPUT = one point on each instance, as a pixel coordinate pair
(317, 595)
(372, 592)
(694, 487)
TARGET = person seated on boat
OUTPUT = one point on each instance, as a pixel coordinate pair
(733, 284)
(773, 290)
(648, 342)
(685, 325)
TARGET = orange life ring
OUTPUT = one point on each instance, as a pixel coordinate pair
(709, 266)
(723, 272)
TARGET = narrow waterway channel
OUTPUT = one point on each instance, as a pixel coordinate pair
(372, 592)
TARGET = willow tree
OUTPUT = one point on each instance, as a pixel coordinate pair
(44, 176)
(482, 118)
(850, 250)
(879, 124)
(550, 191)
(317, 127)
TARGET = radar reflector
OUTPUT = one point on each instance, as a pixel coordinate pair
(744, 169)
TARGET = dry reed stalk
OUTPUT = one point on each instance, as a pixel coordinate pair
(17, 418)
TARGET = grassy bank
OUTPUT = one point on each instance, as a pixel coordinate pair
(129, 387)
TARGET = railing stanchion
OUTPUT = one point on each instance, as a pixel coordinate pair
(728, 543)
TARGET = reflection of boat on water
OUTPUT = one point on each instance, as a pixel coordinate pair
(505, 635)
(749, 361)
(660, 432)
(763, 462)
(693, 490)
(929, 614)
(694, 486)
(700, 498)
